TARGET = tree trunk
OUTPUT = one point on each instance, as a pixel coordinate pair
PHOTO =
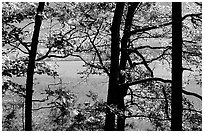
(124, 56)
(176, 112)
(114, 70)
(31, 66)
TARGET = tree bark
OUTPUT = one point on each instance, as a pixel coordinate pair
(124, 56)
(31, 66)
(176, 112)
(114, 69)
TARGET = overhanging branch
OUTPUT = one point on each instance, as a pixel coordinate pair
(146, 80)
(162, 25)
(192, 94)
(144, 62)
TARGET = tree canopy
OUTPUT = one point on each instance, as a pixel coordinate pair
(129, 43)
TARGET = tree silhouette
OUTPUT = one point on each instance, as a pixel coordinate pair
(31, 67)
(141, 40)
(123, 62)
(176, 113)
(114, 69)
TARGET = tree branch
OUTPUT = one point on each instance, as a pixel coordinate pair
(144, 97)
(45, 56)
(156, 58)
(22, 43)
(90, 64)
(191, 93)
(161, 25)
(200, 4)
(161, 80)
(27, 25)
(42, 100)
(46, 107)
(17, 47)
(150, 47)
(193, 110)
(59, 56)
(166, 104)
(96, 50)
(144, 62)
(150, 117)
(146, 80)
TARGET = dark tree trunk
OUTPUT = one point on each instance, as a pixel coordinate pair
(124, 56)
(114, 70)
(176, 113)
(30, 69)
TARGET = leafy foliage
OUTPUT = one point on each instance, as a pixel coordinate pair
(81, 29)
